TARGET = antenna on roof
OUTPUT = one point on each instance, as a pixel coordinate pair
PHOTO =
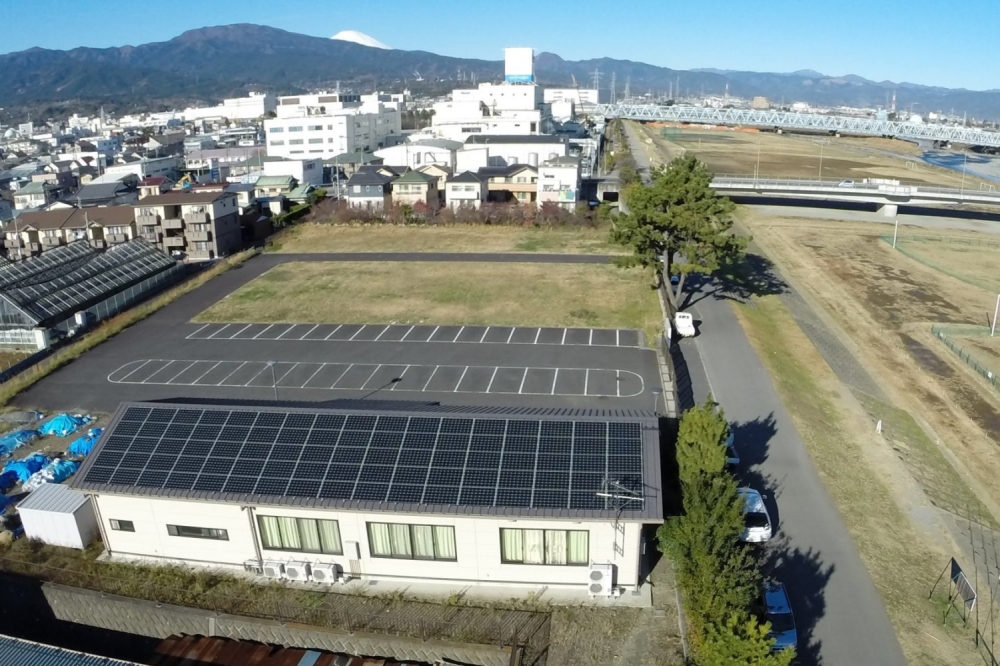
(618, 497)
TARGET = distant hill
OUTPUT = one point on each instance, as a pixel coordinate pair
(208, 64)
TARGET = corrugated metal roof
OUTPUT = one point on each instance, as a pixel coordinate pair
(16, 651)
(187, 650)
(53, 498)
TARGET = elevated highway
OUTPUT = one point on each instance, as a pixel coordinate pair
(812, 122)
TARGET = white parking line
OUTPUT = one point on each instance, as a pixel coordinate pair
(523, 377)
(339, 326)
(203, 327)
(234, 335)
(370, 377)
(217, 364)
(144, 364)
(338, 378)
(270, 326)
(428, 382)
(431, 336)
(401, 375)
(309, 331)
(294, 365)
(554, 378)
(537, 333)
(286, 331)
(618, 337)
(232, 373)
(565, 330)
(455, 390)
(156, 372)
(224, 327)
(618, 383)
(189, 366)
(266, 366)
(485, 333)
(492, 377)
(586, 382)
(382, 333)
(457, 335)
(509, 337)
(590, 340)
(363, 327)
(321, 366)
(406, 334)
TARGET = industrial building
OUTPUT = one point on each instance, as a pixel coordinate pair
(70, 287)
(518, 498)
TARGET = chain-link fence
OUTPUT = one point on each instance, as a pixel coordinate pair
(945, 333)
(901, 246)
(387, 614)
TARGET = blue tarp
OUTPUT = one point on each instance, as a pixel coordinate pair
(4, 501)
(7, 481)
(15, 440)
(63, 424)
(26, 467)
(56, 471)
(85, 444)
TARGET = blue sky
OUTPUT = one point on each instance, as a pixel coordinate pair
(921, 41)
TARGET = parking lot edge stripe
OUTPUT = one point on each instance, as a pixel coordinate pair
(460, 379)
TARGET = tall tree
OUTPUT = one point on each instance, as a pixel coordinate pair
(701, 441)
(678, 217)
(741, 641)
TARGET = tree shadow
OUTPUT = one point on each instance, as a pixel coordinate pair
(752, 439)
(682, 378)
(755, 275)
(805, 577)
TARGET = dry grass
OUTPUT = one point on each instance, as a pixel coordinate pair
(886, 302)
(728, 151)
(970, 257)
(480, 238)
(854, 468)
(521, 294)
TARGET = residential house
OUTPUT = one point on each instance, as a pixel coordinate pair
(441, 172)
(347, 164)
(37, 195)
(559, 182)
(103, 194)
(199, 224)
(246, 196)
(301, 194)
(413, 188)
(303, 170)
(170, 143)
(273, 186)
(518, 182)
(370, 189)
(466, 190)
(153, 185)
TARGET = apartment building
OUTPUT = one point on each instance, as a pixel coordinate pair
(200, 224)
(36, 232)
(559, 182)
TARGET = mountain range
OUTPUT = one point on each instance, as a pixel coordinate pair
(207, 64)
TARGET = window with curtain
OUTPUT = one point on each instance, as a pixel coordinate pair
(304, 535)
(555, 547)
(412, 542)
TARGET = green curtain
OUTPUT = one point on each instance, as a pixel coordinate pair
(289, 533)
(329, 536)
(444, 542)
(378, 539)
(534, 547)
(423, 542)
(400, 535)
(309, 534)
(578, 547)
(511, 545)
(270, 535)
(555, 546)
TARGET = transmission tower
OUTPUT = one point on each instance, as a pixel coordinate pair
(614, 97)
(628, 88)
(597, 79)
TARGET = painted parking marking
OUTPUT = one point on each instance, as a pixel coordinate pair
(496, 380)
(511, 335)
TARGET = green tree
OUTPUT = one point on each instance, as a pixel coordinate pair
(678, 217)
(701, 441)
(741, 641)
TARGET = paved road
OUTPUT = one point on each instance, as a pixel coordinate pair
(841, 617)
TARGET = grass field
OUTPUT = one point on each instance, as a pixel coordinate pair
(585, 295)
(970, 257)
(729, 151)
(467, 238)
(855, 471)
(886, 303)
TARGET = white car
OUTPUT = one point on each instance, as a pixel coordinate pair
(684, 324)
(757, 522)
(847, 182)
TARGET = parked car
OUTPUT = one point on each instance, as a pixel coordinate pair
(732, 455)
(778, 611)
(847, 182)
(684, 324)
(757, 522)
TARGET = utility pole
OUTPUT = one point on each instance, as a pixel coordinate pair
(614, 98)
(965, 161)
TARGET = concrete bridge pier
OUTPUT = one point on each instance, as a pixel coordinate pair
(888, 210)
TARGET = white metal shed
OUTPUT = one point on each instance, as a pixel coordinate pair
(59, 516)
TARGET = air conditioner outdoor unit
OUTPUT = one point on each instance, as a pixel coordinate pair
(274, 570)
(324, 573)
(297, 571)
(601, 581)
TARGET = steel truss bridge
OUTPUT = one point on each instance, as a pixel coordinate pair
(799, 121)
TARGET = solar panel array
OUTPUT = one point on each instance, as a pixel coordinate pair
(59, 259)
(476, 462)
(80, 276)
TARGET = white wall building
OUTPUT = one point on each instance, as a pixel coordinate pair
(306, 171)
(328, 124)
(504, 150)
(59, 516)
(289, 494)
(579, 96)
(253, 106)
(420, 153)
(559, 182)
(147, 166)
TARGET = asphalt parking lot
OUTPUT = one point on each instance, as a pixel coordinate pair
(166, 356)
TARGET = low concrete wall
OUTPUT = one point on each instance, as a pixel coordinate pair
(147, 618)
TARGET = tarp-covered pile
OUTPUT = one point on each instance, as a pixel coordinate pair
(7, 481)
(63, 424)
(85, 444)
(56, 471)
(15, 440)
(24, 468)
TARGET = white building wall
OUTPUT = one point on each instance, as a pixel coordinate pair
(504, 154)
(472, 158)
(308, 171)
(477, 543)
(162, 166)
(575, 95)
(415, 155)
(330, 135)
(558, 185)
(69, 530)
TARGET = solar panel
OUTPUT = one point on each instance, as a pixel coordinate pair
(474, 462)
